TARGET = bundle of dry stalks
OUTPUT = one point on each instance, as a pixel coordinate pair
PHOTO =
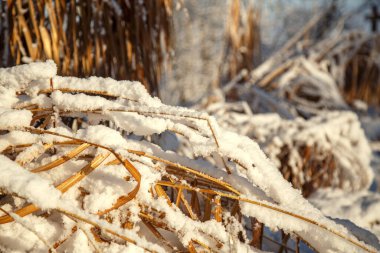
(242, 50)
(120, 39)
(362, 73)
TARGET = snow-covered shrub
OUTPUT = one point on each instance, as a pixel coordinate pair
(79, 171)
(327, 150)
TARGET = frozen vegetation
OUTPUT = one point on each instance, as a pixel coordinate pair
(99, 165)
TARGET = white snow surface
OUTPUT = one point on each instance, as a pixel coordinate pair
(14, 118)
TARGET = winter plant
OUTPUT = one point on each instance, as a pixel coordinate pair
(94, 165)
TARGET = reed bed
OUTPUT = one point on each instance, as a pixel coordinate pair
(120, 39)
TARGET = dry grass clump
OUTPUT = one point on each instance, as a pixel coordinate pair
(121, 39)
(200, 196)
(320, 68)
(315, 172)
(200, 187)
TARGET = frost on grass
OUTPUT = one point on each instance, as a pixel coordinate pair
(104, 167)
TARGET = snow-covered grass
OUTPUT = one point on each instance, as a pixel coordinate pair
(330, 149)
(95, 165)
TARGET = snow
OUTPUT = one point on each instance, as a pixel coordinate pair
(27, 184)
(14, 118)
(19, 237)
(78, 243)
(20, 76)
(129, 90)
(7, 97)
(16, 138)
